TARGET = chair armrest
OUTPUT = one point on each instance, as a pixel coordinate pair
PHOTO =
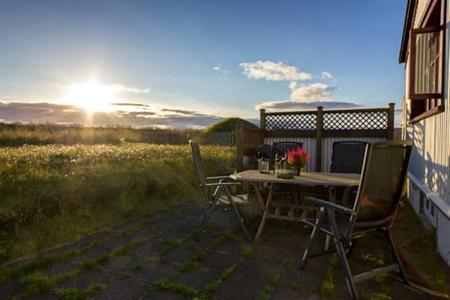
(222, 183)
(218, 177)
(328, 204)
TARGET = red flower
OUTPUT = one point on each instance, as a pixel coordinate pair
(298, 157)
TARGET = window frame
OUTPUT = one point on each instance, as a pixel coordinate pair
(425, 97)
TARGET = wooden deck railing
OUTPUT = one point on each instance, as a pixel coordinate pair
(319, 125)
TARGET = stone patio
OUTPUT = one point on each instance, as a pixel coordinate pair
(156, 257)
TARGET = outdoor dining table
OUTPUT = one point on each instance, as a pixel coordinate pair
(328, 181)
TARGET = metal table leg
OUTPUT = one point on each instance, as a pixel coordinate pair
(332, 198)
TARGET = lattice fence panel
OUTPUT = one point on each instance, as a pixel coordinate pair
(355, 120)
(291, 122)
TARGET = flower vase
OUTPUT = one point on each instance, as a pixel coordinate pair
(297, 171)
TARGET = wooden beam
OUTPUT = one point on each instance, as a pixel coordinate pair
(309, 112)
(355, 133)
(319, 129)
(390, 121)
(291, 133)
(239, 131)
(431, 5)
(354, 110)
(425, 96)
(280, 133)
(374, 273)
(262, 119)
(289, 113)
(434, 111)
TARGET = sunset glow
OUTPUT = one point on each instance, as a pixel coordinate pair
(92, 96)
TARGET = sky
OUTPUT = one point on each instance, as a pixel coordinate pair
(188, 63)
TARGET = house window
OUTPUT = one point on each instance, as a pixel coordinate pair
(427, 66)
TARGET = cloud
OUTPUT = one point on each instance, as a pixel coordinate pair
(302, 96)
(180, 111)
(274, 71)
(311, 92)
(112, 89)
(221, 70)
(289, 104)
(147, 116)
(308, 96)
(129, 104)
(122, 88)
(327, 76)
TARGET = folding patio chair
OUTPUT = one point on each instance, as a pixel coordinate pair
(221, 195)
(347, 157)
(281, 148)
(383, 177)
(264, 151)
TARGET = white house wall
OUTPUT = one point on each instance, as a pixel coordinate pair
(308, 144)
(431, 157)
(327, 148)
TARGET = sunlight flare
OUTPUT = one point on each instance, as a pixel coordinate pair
(92, 96)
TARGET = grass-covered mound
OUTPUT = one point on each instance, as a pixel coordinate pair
(53, 194)
(229, 125)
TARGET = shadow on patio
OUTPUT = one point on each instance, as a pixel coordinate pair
(156, 257)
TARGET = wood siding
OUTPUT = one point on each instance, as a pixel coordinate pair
(308, 143)
(431, 157)
(327, 148)
(428, 187)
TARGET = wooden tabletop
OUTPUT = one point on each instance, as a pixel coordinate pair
(305, 178)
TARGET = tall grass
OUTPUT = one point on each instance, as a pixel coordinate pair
(44, 134)
(53, 194)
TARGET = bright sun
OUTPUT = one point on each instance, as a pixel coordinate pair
(91, 96)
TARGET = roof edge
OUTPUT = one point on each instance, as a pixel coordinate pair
(406, 28)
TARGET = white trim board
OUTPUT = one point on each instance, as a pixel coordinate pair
(443, 206)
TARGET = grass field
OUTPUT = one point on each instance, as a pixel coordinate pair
(53, 194)
(14, 135)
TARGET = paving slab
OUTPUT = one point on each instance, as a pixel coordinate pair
(169, 263)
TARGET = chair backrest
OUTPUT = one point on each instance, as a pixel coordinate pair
(347, 157)
(198, 163)
(383, 178)
(264, 151)
(281, 148)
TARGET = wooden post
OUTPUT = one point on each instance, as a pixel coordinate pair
(239, 131)
(390, 121)
(262, 119)
(319, 138)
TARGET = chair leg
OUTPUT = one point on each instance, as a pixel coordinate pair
(205, 221)
(350, 248)
(237, 213)
(342, 256)
(211, 207)
(346, 268)
(312, 238)
(396, 256)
